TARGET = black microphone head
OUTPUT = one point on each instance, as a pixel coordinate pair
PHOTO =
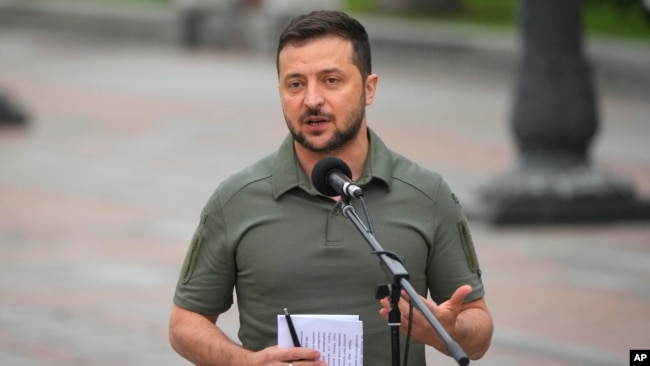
(321, 172)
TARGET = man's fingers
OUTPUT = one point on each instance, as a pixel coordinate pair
(459, 295)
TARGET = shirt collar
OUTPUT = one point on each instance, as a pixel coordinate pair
(288, 174)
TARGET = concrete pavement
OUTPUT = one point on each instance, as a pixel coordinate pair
(99, 197)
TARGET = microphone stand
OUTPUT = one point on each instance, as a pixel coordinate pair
(399, 276)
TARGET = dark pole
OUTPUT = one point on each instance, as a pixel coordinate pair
(554, 117)
(192, 20)
(554, 121)
(10, 113)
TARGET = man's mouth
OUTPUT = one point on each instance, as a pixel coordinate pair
(315, 120)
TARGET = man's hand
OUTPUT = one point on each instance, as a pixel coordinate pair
(294, 356)
(452, 315)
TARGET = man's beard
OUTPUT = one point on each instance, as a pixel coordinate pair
(340, 139)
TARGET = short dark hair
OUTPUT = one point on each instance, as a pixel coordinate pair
(324, 23)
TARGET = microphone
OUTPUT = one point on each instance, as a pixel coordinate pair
(332, 177)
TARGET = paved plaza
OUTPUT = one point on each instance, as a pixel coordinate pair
(100, 194)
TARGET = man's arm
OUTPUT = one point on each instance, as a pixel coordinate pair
(197, 338)
(474, 328)
(469, 324)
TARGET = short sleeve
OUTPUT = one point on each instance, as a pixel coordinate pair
(207, 278)
(453, 261)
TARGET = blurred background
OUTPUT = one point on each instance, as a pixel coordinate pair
(118, 118)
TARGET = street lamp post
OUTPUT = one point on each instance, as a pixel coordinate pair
(554, 121)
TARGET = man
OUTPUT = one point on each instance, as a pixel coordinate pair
(269, 235)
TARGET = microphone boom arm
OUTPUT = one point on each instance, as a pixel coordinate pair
(398, 276)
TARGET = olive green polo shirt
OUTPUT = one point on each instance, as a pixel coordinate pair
(269, 236)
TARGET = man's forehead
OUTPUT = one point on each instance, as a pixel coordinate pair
(324, 41)
(316, 49)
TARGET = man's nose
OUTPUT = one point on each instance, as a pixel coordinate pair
(313, 98)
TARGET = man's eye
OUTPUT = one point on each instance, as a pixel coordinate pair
(294, 85)
(332, 80)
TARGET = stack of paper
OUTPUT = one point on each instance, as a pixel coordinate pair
(339, 338)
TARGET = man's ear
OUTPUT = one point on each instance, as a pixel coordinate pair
(371, 87)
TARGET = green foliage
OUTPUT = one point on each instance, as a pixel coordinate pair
(360, 6)
(490, 12)
(623, 18)
(620, 17)
(120, 3)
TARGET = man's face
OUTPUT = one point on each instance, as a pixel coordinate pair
(323, 96)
